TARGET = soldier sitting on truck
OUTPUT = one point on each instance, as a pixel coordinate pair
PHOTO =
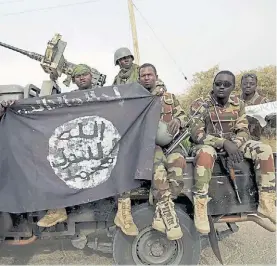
(168, 171)
(223, 126)
(250, 96)
(82, 77)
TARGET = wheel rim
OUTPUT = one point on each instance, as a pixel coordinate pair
(152, 247)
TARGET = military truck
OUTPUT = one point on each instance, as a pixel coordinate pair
(92, 225)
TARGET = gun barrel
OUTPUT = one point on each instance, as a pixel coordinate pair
(32, 55)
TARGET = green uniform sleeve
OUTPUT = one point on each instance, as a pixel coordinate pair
(241, 128)
(178, 111)
(114, 81)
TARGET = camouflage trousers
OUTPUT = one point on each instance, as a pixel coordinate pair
(260, 153)
(168, 173)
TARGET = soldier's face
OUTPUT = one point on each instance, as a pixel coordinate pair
(126, 62)
(83, 81)
(223, 86)
(147, 78)
(248, 85)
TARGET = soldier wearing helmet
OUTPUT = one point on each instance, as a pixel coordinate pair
(128, 69)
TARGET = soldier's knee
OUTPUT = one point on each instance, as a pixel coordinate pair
(205, 157)
(176, 160)
(159, 156)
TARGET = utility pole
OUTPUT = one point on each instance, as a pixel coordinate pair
(134, 31)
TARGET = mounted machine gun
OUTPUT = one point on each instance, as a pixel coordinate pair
(54, 64)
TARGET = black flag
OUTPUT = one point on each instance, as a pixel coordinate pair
(72, 148)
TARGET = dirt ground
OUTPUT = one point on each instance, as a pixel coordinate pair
(251, 245)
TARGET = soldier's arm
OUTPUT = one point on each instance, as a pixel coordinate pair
(241, 128)
(178, 111)
(114, 81)
(198, 128)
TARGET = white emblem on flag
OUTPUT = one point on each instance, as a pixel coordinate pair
(83, 151)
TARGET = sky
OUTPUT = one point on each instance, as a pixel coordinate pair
(184, 36)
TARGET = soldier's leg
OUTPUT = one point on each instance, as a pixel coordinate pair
(124, 218)
(175, 165)
(160, 187)
(165, 218)
(262, 156)
(53, 217)
(204, 163)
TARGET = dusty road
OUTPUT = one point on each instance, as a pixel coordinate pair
(251, 245)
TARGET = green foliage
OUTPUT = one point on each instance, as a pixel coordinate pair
(202, 84)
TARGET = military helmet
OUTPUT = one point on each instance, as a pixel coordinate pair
(163, 137)
(120, 53)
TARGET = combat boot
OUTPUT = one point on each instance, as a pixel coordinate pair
(124, 219)
(158, 223)
(53, 217)
(169, 216)
(267, 206)
(201, 213)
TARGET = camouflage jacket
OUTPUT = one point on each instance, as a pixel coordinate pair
(132, 76)
(213, 128)
(171, 107)
(256, 99)
(254, 126)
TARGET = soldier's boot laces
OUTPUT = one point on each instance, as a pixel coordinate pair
(158, 223)
(267, 206)
(201, 213)
(124, 219)
(170, 219)
(53, 217)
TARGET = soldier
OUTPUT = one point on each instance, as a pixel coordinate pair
(82, 77)
(223, 126)
(168, 171)
(250, 96)
(128, 69)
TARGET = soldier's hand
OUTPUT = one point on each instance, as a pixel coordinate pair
(4, 105)
(235, 155)
(173, 126)
(7, 103)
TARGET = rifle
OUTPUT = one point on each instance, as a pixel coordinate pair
(233, 178)
(231, 172)
(183, 135)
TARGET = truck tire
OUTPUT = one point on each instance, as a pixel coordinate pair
(151, 247)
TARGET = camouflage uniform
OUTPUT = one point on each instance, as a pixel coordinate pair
(55, 216)
(254, 127)
(235, 128)
(168, 175)
(167, 180)
(126, 76)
